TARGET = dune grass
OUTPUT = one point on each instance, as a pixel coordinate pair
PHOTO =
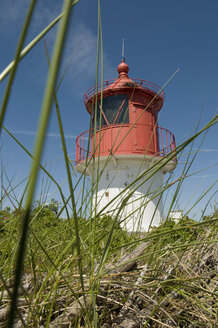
(49, 263)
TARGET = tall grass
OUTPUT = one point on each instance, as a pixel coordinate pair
(67, 259)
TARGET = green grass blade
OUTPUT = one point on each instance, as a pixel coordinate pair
(16, 62)
(30, 45)
(69, 181)
(45, 113)
(40, 165)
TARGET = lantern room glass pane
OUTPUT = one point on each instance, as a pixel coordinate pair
(103, 122)
(123, 116)
(111, 106)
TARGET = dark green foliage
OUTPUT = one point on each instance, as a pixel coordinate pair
(104, 226)
(174, 233)
(49, 235)
(4, 217)
(45, 215)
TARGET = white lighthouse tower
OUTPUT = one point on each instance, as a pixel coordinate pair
(125, 146)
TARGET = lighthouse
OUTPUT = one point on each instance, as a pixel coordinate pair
(123, 149)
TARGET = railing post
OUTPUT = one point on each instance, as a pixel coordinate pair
(171, 146)
(162, 147)
(155, 140)
(80, 148)
(174, 144)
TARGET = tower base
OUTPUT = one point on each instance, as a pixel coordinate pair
(130, 187)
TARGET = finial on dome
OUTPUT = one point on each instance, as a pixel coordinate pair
(123, 68)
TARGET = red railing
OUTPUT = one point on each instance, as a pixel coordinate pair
(164, 146)
(146, 85)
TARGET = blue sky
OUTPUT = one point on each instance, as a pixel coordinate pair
(160, 38)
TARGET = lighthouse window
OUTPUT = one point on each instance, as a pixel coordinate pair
(116, 109)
